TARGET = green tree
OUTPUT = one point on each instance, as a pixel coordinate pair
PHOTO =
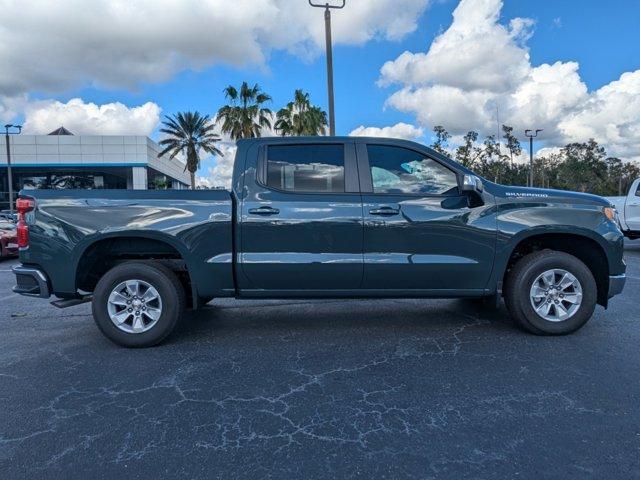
(300, 117)
(245, 116)
(584, 168)
(465, 153)
(491, 163)
(189, 133)
(160, 183)
(513, 144)
(442, 137)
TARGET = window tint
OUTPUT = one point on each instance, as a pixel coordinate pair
(638, 191)
(306, 168)
(400, 170)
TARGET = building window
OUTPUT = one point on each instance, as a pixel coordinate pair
(70, 180)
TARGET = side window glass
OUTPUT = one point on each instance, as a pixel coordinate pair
(638, 190)
(306, 168)
(400, 170)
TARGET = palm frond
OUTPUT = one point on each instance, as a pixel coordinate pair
(189, 132)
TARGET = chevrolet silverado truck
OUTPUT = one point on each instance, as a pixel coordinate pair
(321, 217)
(628, 209)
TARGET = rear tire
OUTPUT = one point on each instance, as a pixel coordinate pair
(137, 304)
(545, 301)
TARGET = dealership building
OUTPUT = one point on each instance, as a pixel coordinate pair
(64, 160)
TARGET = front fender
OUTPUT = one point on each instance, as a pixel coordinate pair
(525, 221)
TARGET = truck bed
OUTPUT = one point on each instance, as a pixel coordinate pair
(196, 224)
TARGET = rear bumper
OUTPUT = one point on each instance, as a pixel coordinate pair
(616, 284)
(31, 282)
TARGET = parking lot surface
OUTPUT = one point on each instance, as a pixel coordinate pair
(323, 389)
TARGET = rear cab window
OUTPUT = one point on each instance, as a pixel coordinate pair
(307, 168)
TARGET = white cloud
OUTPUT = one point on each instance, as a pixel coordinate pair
(476, 52)
(11, 106)
(543, 152)
(82, 118)
(220, 174)
(479, 64)
(611, 116)
(399, 130)
(119, 43)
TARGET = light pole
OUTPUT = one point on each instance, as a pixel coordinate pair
(9, 175)
(531, 134)
(327, 31)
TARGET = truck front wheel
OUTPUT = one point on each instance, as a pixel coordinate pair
(137, 304)
(550, 293)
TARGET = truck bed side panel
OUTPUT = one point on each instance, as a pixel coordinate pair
(196, 223)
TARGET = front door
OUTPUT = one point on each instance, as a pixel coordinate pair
(420, 233)
(302, 221)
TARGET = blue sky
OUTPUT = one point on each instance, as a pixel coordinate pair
(605, 43)
(601, 37)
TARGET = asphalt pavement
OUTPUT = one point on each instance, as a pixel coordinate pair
(323, 389)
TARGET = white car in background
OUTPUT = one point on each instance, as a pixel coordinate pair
(629, 211)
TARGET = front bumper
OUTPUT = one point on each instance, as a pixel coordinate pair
(31, 282)
(616, 284)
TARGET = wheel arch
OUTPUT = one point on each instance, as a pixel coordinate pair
(98, 254)
(581, 243)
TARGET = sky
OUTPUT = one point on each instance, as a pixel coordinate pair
(401, 66)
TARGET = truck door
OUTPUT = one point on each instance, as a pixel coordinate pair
(420, 233)
(301, 220)
(632, 208)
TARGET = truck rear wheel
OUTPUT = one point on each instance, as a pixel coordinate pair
(550, 293)
(137, 304)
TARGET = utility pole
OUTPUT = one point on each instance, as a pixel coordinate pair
(9, 175)
(531, 134)
(498, 129)
(327, 31)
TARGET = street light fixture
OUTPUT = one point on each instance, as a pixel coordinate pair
(327, 31)
(531, 134)
(7, 127)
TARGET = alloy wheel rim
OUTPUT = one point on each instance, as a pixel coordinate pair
(134, 306)
(556, 295)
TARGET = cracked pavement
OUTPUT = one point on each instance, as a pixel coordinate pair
(321, 389)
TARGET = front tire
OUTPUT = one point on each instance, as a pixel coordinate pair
(550, 293)
(137, 304)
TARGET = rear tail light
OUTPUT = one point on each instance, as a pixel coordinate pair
(23, 206)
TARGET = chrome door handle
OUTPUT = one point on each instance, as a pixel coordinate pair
(385, 211)
(264, 211)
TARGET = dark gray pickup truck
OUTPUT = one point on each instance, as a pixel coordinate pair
(321, 217)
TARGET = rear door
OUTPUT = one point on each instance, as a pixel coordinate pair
(421, 234)
(301, 220)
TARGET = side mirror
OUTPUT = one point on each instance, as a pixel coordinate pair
(471, 183)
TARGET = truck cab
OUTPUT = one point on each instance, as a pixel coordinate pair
(354, 218)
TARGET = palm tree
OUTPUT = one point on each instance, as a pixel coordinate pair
(189, 132)
(300, 117)
(245, 116)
